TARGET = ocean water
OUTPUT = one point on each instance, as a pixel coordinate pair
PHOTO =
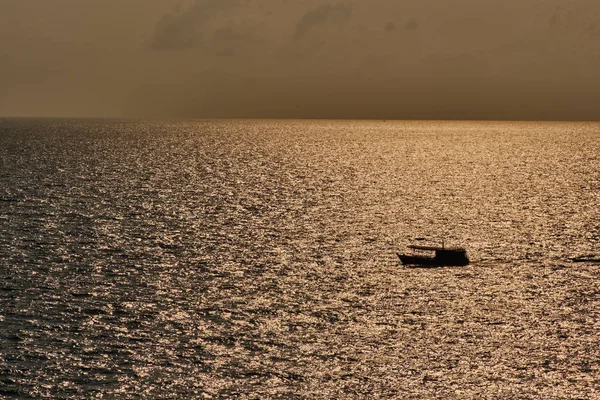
(256, 259)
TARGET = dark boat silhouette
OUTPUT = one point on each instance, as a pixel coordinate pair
(588, 258)
(435, 256)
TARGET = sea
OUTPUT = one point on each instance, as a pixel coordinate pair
(256, 259)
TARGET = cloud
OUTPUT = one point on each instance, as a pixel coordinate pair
(188, 29)
(577, 17)
(328, 57)
(390, 26)
(327, 14)
(410, 25)
(229, 34)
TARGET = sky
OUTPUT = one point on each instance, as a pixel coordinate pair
(380, 59)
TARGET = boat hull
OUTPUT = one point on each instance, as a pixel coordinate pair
(590, 259)
(425, 261)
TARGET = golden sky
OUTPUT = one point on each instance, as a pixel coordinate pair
(404, 59)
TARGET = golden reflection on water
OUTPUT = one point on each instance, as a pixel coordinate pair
(257, 258)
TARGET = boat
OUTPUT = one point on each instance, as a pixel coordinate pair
(589, 258)
(434, 256)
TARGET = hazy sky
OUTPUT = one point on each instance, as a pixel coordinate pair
(416, 59)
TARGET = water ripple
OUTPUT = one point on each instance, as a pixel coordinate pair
(256, 259)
